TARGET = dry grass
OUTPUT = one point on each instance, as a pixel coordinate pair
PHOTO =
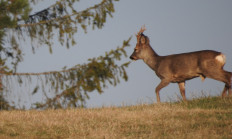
(181, 120)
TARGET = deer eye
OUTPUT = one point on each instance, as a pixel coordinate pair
(136, 49)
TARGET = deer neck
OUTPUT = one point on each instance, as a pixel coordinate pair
(151, 59)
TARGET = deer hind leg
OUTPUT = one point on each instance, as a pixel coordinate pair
(228, 84)
(216, 72)
(230, 87)
(224, 91)
(182, 90)
(162, 84)
(222, 76)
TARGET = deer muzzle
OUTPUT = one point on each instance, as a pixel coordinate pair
(132, 57)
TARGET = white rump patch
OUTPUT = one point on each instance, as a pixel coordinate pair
(221, 58)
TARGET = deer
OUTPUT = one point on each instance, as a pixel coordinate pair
(178, 68)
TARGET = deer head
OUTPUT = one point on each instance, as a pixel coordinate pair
(142, 45)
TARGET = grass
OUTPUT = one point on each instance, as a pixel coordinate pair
(209, 117)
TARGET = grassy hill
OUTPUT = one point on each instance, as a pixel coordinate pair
(199, 118)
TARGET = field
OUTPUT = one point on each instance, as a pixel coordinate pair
(209, 117)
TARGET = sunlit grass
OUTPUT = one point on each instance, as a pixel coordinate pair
(208, 117)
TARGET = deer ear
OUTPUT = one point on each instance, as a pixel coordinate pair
(145, 40)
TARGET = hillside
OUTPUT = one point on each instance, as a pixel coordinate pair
(199, 118)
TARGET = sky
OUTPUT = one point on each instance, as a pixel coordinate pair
(173, 26)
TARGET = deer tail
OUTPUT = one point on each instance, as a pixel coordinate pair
(221, 59)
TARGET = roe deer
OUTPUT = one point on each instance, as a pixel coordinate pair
(178, 68)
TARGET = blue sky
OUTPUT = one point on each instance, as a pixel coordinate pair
(173, 26)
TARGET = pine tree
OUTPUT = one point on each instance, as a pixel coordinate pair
(71, 86)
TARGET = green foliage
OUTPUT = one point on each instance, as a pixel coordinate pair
(11, 11)
(42, 27)
(62, 17)
(4, 105)
(60, 20)
(78, 81)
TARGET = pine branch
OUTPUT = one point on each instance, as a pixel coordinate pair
(113, 54)
(60, 21)
(75, 83)
(60, 18)
(36, 74)
(52, 102)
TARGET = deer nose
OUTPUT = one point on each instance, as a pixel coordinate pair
(133, 58)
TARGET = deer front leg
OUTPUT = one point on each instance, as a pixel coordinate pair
(182, 90)
(162, 84)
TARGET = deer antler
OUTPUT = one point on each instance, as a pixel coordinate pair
(138, 35)
(143, 28)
